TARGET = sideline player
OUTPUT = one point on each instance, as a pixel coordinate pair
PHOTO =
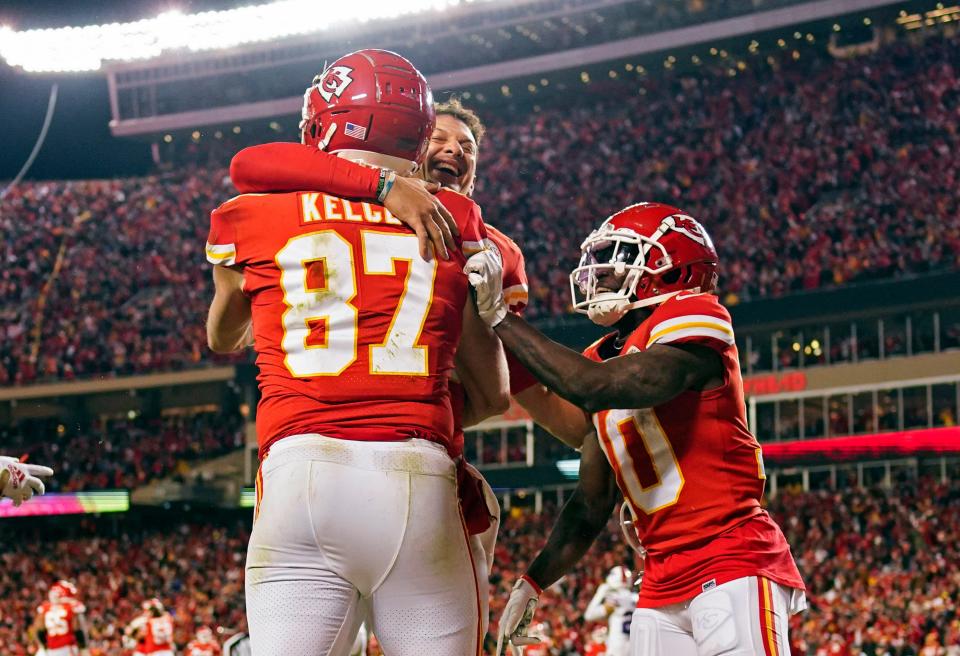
(152, 631)
(204, 644)
(19, 481)
(613, 603)
(666, 398)
(59, 626)
(355, 335)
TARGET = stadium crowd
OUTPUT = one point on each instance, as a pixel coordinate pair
(124, 453)
(195, 569)
(808, 173)
(882, 568)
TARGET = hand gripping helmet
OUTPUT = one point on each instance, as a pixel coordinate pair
(61, 590)
(656, 250)
(370, 102)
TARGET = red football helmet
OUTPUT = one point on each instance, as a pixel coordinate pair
(661, 250)
(370, 101)
(205, 634)
(154, 606)
(61, 590)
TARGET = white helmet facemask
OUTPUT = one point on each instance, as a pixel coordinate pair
(628, 256)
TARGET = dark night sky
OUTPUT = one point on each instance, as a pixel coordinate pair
(79, 144)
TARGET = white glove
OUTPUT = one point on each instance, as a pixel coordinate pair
(517, 616)
(485, 272)
(18, 481)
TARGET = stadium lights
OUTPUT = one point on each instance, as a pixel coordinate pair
(79, 49)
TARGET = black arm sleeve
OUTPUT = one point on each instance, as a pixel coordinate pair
(81, 636)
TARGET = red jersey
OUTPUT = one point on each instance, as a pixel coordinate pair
(283, 166)
(515, 295)
(691, 470)
(157, 634)
(58, 620)
(354, 332)
(197, 648)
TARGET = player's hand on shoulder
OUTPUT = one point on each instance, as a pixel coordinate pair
(412, 201)
(485, 272)
(20, 481)
(517, 616)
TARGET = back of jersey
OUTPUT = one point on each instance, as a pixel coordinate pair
(355, 333)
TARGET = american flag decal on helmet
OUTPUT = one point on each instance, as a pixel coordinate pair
(355, 131)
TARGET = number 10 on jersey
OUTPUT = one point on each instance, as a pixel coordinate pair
(328, 306)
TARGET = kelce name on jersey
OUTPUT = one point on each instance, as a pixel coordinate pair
(316, 207)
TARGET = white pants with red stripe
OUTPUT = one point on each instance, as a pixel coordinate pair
(347, 531)
(743, 617)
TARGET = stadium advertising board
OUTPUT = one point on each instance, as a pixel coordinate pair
(937, 441)
(79, 503)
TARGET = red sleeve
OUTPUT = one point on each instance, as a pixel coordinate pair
(515, 288)
(222, 238)
(473, 232)
(280, 167)
(691, 319)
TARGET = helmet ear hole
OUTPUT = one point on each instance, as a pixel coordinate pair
(672, 276)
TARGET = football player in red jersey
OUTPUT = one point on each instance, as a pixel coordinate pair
(356, 336)
(664, 392)
(204, 644)
(152, 631)
(451, 161)
(59, 625)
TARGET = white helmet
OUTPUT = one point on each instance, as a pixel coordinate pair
(619, 577)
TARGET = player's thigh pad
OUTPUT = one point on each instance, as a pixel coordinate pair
(429, 605)
(328, 529)
(744, 617)
(661, 632)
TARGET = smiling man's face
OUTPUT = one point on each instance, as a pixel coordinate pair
(452, 155)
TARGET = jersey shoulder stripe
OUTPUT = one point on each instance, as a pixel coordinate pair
(225, 254)
(687, 317)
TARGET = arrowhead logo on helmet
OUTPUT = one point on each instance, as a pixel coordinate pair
(334, 82)
(370, 106)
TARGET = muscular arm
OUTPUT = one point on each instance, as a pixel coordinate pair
(481, 369)
(598, 609)
(80, 630)
(562, 419)
(582, 519)
(229, 326)
(638, 380)
(38, 630)
(282, 167)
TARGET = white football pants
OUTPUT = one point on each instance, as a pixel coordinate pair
(743, 617)
(345, 530)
